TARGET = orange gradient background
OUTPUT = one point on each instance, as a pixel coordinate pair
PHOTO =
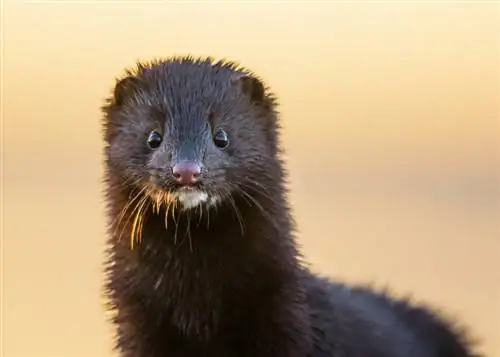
(390, 115)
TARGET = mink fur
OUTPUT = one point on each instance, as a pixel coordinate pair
(225, 278)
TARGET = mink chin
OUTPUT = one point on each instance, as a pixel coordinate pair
(202, 254)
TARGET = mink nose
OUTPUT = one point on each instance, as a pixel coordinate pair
(186, 172)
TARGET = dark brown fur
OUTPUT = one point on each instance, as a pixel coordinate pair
(227, 281)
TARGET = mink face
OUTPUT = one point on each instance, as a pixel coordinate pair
(191, 132)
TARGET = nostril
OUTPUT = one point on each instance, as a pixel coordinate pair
(186, 172)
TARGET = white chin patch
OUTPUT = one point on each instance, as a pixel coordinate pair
(191, 198)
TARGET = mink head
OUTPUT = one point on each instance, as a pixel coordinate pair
(191, 131)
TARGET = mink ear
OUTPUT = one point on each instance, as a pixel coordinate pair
(250, 86)
(123, 89)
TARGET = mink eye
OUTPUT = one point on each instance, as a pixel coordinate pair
(154, 139)
(220, 139)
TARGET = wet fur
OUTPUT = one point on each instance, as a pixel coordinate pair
(227, 280)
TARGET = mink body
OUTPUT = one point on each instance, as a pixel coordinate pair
(207, 265)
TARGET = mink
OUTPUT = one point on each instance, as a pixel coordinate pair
(202, 258)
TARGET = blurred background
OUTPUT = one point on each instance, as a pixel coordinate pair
(390, 115)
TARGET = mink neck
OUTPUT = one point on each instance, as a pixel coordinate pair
(209, 272)
(236, 226)
(239, 233)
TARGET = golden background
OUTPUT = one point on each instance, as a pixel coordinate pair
(391, 130)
